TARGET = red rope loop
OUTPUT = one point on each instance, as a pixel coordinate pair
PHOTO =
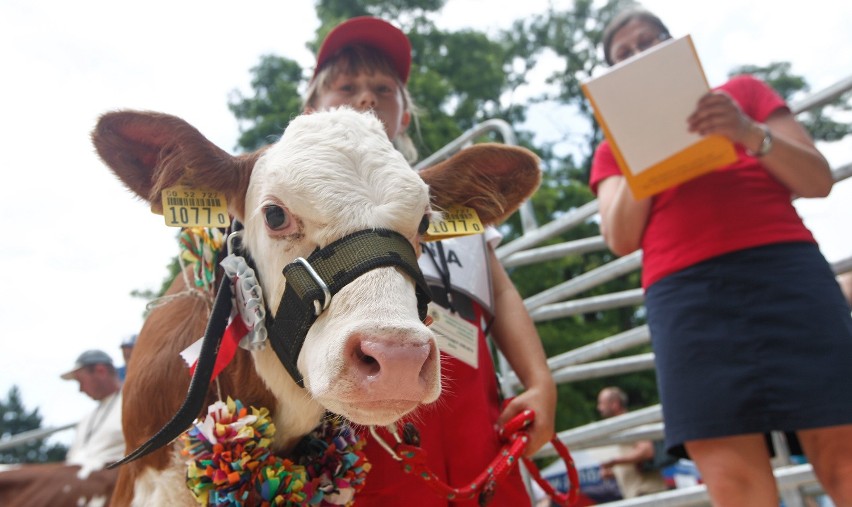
(514, 435)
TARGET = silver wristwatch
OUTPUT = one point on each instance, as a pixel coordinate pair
(765, 145)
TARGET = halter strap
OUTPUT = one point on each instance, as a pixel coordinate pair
(312, 282)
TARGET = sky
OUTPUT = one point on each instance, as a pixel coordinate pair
(76, 243)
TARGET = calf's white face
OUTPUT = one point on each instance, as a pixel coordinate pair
(368, 357)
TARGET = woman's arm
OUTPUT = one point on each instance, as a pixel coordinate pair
(515, 334)
(623, 218)
(793, 158)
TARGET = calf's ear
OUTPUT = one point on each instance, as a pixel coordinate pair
(151, 151)
(494, 179)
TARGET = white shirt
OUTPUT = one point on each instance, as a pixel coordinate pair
(98, 440)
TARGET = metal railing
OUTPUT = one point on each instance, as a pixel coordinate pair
(26, 437)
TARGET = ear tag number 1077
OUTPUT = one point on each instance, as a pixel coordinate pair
(456, 221)
(191, 207)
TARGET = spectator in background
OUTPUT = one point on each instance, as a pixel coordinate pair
(633, 478)
(98, 439)
(82, 478)
(126, 349)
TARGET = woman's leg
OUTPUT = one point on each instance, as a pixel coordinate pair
(736, 470)
(829, 451)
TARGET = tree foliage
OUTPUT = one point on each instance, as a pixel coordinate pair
(275, 102)
(15, 419)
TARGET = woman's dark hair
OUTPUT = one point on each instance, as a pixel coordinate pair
(624, 17)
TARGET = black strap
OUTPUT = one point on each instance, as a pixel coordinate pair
(197, 392)
(443, 269)
(337, 264)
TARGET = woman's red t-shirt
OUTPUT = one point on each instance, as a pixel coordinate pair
(732, 208)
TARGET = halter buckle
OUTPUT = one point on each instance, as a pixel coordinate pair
(319, 281)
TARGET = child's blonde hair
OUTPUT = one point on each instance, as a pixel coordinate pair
(355, 59)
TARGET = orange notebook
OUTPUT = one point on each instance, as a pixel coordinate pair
(642, 105)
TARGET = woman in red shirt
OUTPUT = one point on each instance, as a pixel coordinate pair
(750, 331)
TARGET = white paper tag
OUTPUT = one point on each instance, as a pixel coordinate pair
(191, 354)
(456, 336)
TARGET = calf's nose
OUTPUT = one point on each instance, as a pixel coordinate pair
(393, 368)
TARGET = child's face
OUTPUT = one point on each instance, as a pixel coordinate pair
(378, 92)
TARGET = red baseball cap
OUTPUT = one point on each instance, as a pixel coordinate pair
(373, 32)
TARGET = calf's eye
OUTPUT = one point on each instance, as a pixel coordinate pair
(276, 217)
(424, 225)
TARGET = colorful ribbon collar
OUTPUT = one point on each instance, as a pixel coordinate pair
(230, 463)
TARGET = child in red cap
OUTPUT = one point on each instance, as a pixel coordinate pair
(364, 63)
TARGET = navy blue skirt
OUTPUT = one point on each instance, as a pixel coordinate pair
(750, 342)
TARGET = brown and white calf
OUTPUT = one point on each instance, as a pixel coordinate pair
(368, 357)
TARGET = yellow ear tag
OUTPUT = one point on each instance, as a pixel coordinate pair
(191, 207)
(456, 221)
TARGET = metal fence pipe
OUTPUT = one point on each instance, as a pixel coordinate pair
(602, 348)
(600, 429)
(681, 497)
(842, 266)
(492, 125)
(841, 173)
(558, 251)
(559, 225)
(607, 368)
(822, 97)
(653, 431)
(630, 297)
(794, 476)
(505, 130)
(586, 281)
(26, 437)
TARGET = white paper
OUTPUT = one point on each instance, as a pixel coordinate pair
(646, 100)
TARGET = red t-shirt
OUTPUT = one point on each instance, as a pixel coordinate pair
(732, 208)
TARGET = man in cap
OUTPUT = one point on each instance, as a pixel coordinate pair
(82, 478)
(126, 350)
(99, 439)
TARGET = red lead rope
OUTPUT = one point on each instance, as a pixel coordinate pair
(515, 438)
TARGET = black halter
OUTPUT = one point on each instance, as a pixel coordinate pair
(311, 283)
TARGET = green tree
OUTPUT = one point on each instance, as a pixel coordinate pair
(14, 419)
(275, 101)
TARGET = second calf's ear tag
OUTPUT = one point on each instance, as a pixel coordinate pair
(456, 221)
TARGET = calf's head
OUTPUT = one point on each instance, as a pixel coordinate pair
(368, 356)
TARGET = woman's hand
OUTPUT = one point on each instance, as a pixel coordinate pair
(717, 113)
(793, 158)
